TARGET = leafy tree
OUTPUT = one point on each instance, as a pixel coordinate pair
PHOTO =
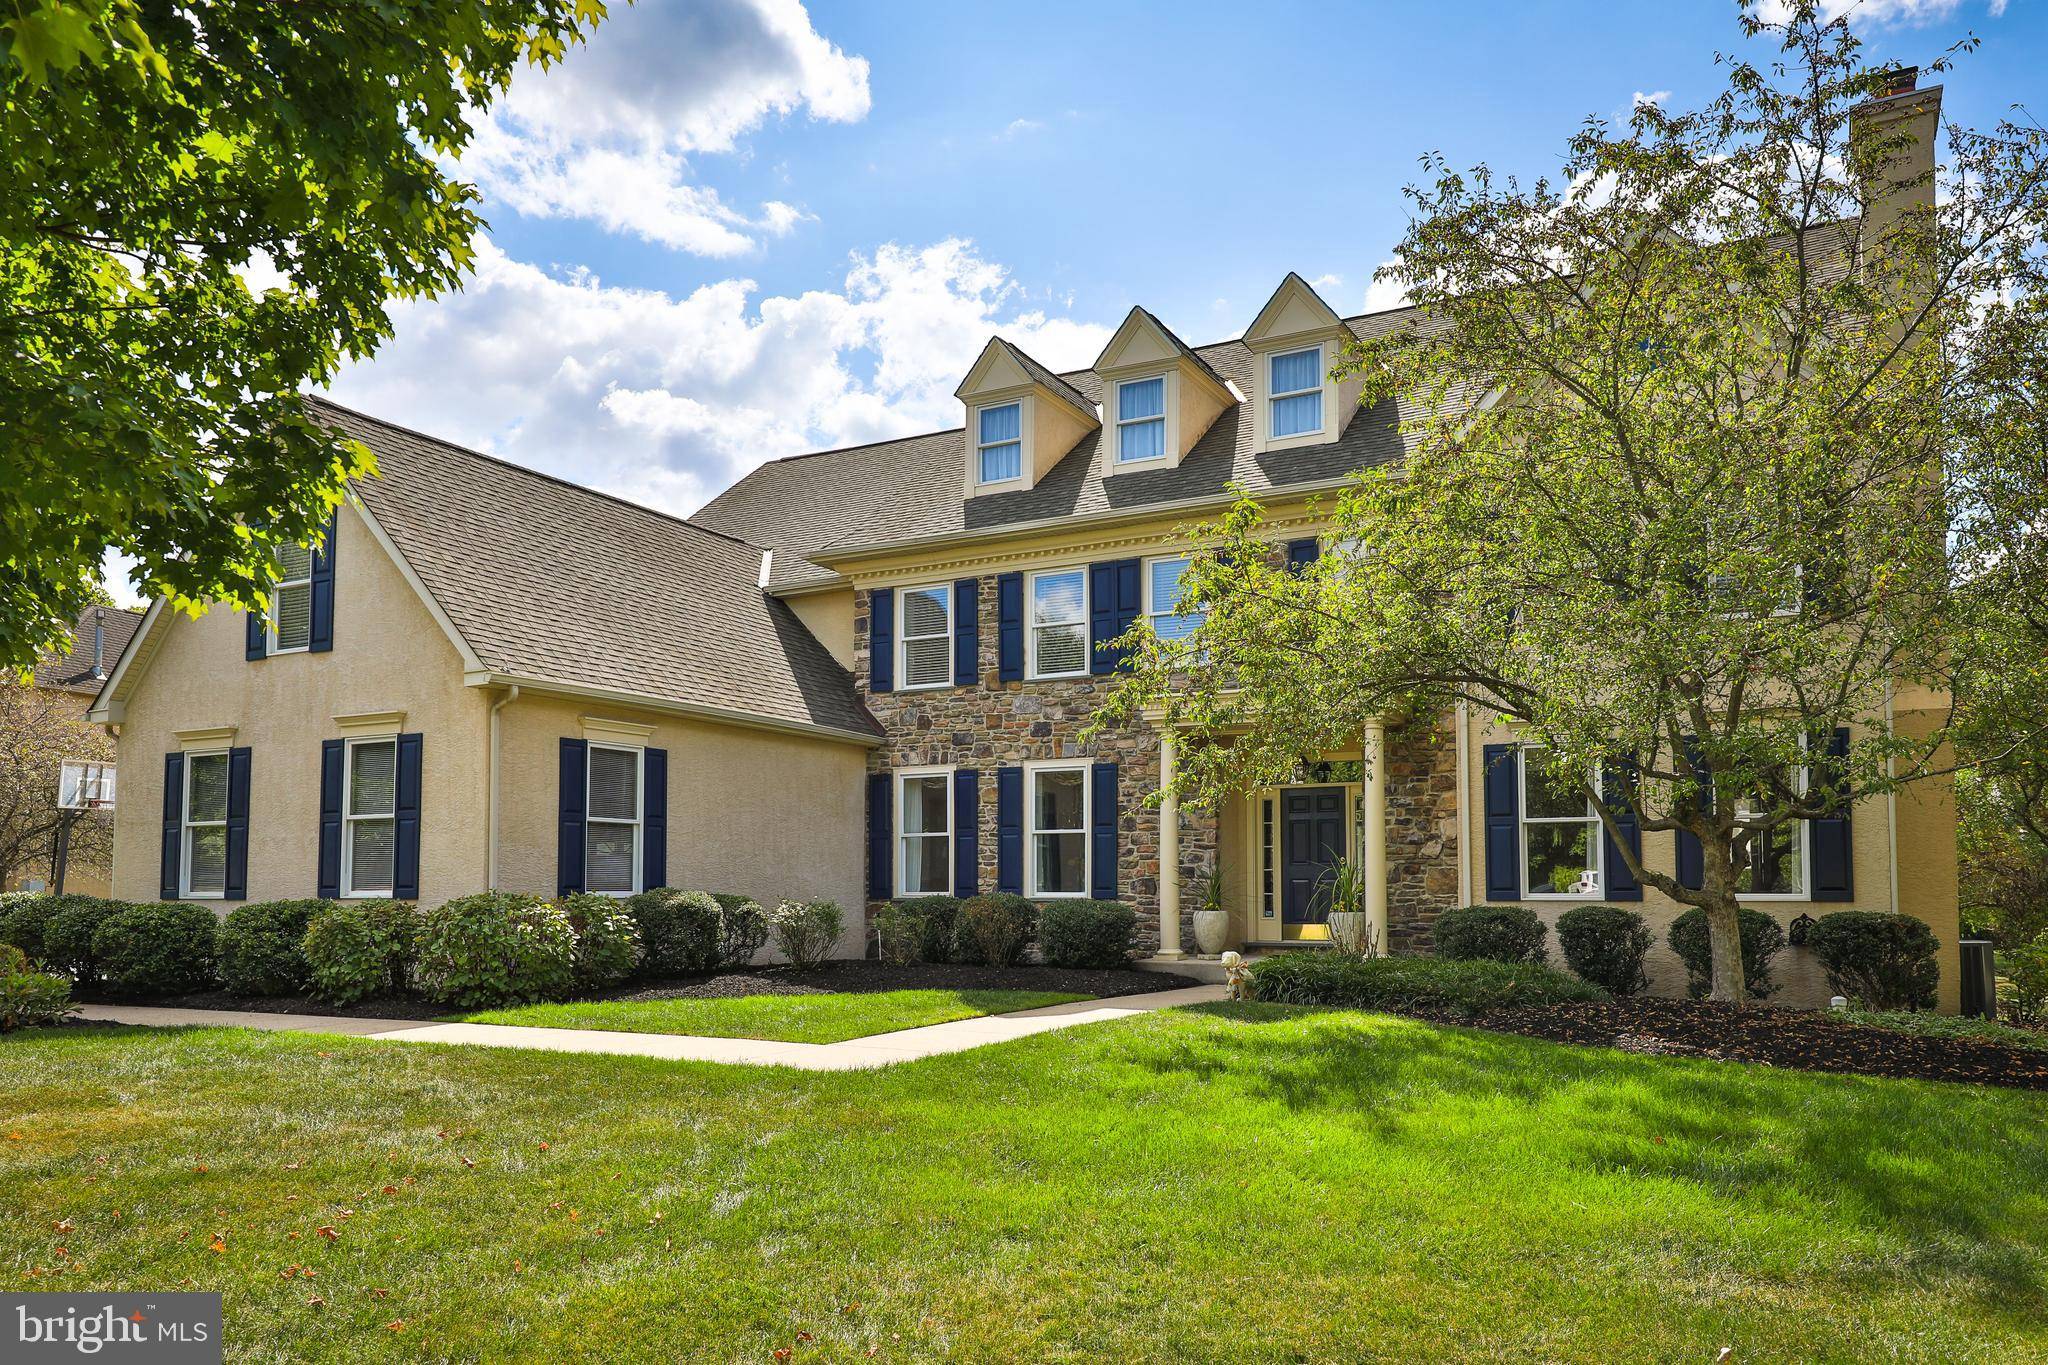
(159, 156)
(1688, 434)
(40, 727)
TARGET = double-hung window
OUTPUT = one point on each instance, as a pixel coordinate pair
(1140, 420)
(612, 830)
(1163, 599)
(926, 633)
(206, 824)
(1296, 389)
(370, 810)
(1560, 833)
(924, 815)
(1059, 623)
(1776, 866)
(1057, 802)
(291, 601)
(1000, 451)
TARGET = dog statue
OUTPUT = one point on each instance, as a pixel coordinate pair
(1237, 976)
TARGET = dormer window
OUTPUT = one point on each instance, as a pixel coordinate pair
(1001, 448)
(1140, 420)
(1297, 392)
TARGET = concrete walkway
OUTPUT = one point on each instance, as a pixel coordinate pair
(855, 1054)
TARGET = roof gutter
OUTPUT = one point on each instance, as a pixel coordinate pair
(722, 715)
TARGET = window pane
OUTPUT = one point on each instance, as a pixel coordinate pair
(1298, 370)
(1059, 597)
(207, 858)
(1005, 423)
(608, 860)
(924, 866)
(1062, 649)
(927, 661)
(1292, 416)
(1550, 796)
(1146, 398)
(207, 797)
(293, 561)
(1168, 622)
(294, 608)
(370, 854)
(1774, 866)
(1558, 855)
(614, 784)
(1141, 440)
(924, 611)
(372, 779)
(1057, 799)
(1062, 867)
(1001, 462)
(924, 805)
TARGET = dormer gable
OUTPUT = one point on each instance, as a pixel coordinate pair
(1295, 341)
(1022, 419)
(1158, 397)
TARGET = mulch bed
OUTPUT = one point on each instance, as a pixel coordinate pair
(1804, 1040)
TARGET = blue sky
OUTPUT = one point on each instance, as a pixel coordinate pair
(731, 230)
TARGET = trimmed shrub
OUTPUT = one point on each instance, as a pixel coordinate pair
(1490, 933)
(1086, 933)
(939, 914)
(359, 949)
(12, 960)
(1456, 985)
(607, 940)
(262, 947)
(806, 931)
(23, 915)
(679, 931)
(2026, 977)
(1605, 945)
(496, 948)
(28, 999)
(1882, 960)
(993, 930)
(160, 949)
(68, 935)
(744, 931)
(1762, 937)
(899, 932)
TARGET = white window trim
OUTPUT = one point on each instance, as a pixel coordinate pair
(638, 822)
(1166, 395)
(349, 890)
(1597, 845)
(1022, 443)
(1152, 612)
(1273, 398)
(1805, 831)
(1032, 623)
(1795, 607)
(270, 644)
(902, 778)
(1031, 830)
(903, 682)
(186, 824)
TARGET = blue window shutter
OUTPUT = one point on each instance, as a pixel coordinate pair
(1114, 597)
(966, 832)
(1503, 830)
(1620, 775)
(235, 882)
(967, 632)
(405, 844)
(1010, 627)
(653, 818)
(1010, 831)
(256, 632)
(1832, 879)
(168, 883)
(320, 638)
(1692, 859)
(572, 801)
(882, 640)
(1103, 817)
(333, 753)
(881, 861)
(1302, 553)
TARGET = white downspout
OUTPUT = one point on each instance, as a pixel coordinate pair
(491, 789)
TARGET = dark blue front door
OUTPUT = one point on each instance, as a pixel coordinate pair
(1311, 842)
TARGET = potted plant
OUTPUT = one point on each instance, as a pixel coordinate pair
(1212, 921)
(1350, 930)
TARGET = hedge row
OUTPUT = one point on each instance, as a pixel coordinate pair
(995, 930)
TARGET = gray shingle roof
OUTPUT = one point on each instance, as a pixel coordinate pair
(1046, 377)
(73, 671)
(551, 581)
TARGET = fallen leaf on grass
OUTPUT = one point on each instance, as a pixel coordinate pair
(329, 1233)
(315, 1301)
(805, 1336)
(380, 1293)
(468, 1165)
(219, 1244)
(395, 1325)
(200, 1168)
(61, 1225)
(391, 1189)
(782, 1353)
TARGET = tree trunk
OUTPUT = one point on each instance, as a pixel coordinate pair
(1724, 943)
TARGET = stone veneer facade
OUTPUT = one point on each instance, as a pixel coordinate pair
(1006, 724)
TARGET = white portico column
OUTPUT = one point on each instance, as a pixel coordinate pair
(1376, 834)
(1169, 851)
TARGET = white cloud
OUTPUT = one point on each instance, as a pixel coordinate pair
(1322, 282)
(1884, 13)
(1381, 294)
(1018, 127)
(606, 134)
(667, 400)
(1653, 97)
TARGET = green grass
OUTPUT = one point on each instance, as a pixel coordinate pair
(1948, 1026)
(1252, 1183)
(822, 1018)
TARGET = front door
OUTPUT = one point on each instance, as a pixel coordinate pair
(1311, 842)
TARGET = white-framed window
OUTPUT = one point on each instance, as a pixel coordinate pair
(924, 832)
(611, 833)
(1056, 834)
(1140, 420)
(1776, 868)
(999, 453)
(1722, 590)
(1058, 634)
(369, 807)
(1295, 392)
(1163, 592)
(205, 860)
(1561, 844)
(291, 601)
(924, 635)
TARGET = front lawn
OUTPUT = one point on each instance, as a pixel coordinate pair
(1240, 1182)
(781, 1018)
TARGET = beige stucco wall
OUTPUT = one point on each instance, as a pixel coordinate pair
(774, 816)
(828, 616)
(388, 655)
(1925, 816)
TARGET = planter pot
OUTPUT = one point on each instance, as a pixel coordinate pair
(1349, 930)
(1212, 931)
